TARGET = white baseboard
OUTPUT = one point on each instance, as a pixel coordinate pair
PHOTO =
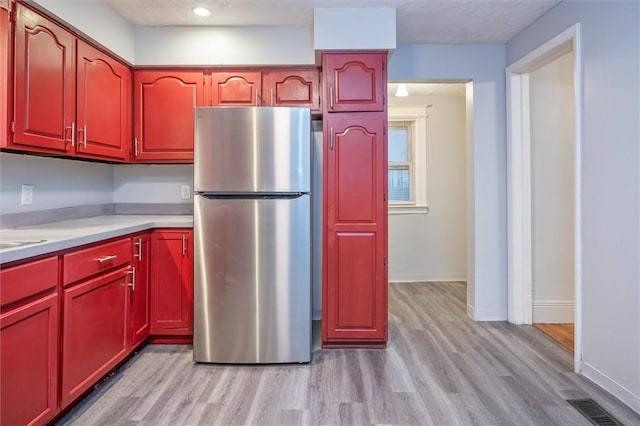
(553, 311)
(405, 278)
(486, 314)
(611, 386)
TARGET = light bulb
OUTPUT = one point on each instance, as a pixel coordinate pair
(402, 92)
(201, 11)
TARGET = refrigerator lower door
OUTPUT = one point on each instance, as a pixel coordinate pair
(252, 280)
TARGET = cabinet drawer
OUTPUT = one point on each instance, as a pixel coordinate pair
(87, 262)
(27, 280)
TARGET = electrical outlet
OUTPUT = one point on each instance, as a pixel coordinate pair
(185, 192)
(27, 195)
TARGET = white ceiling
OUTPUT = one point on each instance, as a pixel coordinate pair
(418, 21)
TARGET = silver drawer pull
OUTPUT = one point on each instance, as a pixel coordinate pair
(132, 284)
(107, 258)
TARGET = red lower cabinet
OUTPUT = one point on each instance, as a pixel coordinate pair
(172, 282)
(94, 331)
(139, 297)
(29, 362)
(69, 319)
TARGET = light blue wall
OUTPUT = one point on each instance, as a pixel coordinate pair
(484, 65)
(610, 202)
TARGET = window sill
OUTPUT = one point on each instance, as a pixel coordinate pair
(400, 209)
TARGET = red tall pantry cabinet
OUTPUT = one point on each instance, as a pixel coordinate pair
(355, 200)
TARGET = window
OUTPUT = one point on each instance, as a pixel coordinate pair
(407, 168)
(401, 178)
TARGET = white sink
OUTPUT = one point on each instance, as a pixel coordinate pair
(4, 245)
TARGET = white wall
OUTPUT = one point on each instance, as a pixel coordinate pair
(551, 89)
(486, 153)
(224, 45)
(432, 247)
(56, 183)
(98, 21)
(610, 202)
(354, 28)
(151, 183)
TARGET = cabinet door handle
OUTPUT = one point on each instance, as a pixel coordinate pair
(331, 137)
(331, 96)
(257, 97)
(132, 284)
(135, 147)
(273, 98)
(73, 133)
(184, 244)
(84, 135)
(107, 258)
(139, 246)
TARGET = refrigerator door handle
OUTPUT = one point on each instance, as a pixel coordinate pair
(252, 195)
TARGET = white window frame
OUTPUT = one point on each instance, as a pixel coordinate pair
(417, 116)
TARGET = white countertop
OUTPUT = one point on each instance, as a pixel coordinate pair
(74, 233)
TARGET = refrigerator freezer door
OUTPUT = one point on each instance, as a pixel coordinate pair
(252, 280)
(253, 149)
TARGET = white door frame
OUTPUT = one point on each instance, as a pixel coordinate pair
(519, 179)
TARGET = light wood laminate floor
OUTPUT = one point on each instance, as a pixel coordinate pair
(440, 368)
(561, 333)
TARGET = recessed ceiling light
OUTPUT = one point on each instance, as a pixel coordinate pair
(201, 11)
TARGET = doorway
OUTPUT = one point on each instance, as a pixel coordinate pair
(552, 136)
(427, 181)
(544, 100)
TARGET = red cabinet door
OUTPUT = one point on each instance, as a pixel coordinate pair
(103, 108)
(139, 319)
(292, 87)
(29, 363)
(355, 290)
(355, 82)
(172, 282)
(241, 88)
(94, 334)
(5, 54)
(45, 90)
(164, 116)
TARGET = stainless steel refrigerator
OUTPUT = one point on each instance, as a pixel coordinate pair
(252, 235)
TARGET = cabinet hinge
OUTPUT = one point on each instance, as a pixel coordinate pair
(12, 15)
(385, 261)
(384, 197)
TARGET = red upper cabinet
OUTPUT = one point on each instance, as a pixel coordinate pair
(355, 291)
(292, 87)
(355, 82)
(45, 89)
(69, 98)
(242, 88)
(164, 116)
(104, 105)
(172, 282)
(5, 55)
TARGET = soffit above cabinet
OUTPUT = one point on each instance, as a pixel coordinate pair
(418, 21)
